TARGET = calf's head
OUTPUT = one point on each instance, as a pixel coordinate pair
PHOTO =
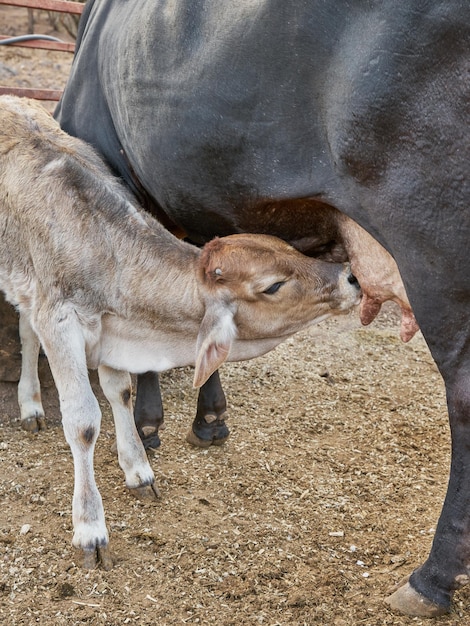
(259, 287)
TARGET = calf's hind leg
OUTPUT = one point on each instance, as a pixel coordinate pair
(62, 338)
(29, 388)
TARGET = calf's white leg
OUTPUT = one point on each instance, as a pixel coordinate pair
(62, 338)
(29, 388)
(116, 386)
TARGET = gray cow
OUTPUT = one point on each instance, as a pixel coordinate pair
(278, 117)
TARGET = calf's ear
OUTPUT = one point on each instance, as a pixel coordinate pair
(216, 334)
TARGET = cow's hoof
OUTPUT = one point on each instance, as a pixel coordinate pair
(34, 423)
(98, 557)
(209, 431)
(194, 440)
(408, 601)
(150, 437)
(145, 493)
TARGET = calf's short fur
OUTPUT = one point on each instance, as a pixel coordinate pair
(100, 284)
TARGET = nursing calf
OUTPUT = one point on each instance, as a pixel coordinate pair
(100, 284)
(380, 280)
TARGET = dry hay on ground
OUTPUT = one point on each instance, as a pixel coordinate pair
(326, 494)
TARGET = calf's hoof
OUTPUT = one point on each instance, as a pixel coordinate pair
(208, 431)
(146, 492)
(408, 601)
(34, 424)
(98, 557)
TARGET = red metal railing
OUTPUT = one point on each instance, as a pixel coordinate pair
(60, 6)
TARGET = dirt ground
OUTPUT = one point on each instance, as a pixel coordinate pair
(326, 494)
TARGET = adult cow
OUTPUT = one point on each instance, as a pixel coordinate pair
(266, 115)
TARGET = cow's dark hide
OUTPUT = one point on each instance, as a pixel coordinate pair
(257, 115)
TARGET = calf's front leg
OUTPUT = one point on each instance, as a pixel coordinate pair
(116, 386)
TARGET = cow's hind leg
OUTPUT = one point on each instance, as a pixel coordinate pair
(29, 389)
(209, 427)
(444, 320)
(148, 411)
(139, 476)
(430, 588)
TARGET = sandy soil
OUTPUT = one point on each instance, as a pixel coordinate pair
(325, 495)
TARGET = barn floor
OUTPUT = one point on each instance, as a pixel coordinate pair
(325, 495)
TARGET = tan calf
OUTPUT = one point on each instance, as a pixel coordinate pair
(101, 284)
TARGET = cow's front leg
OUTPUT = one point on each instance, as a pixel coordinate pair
(29, 388)
(209, 427)
(62, 339)
(148, 411)
(133, 460)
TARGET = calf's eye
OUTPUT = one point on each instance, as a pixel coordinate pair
(273, 288)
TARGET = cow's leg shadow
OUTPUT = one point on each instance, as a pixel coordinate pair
(208, 428)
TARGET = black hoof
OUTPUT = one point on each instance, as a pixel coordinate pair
(207, 432)
(151, 441)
